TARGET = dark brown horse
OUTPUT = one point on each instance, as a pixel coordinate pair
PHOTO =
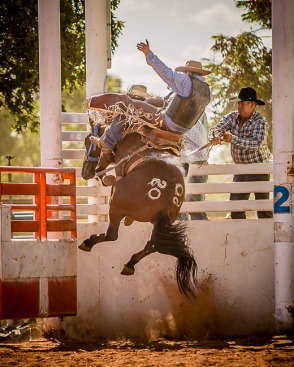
(147, 188)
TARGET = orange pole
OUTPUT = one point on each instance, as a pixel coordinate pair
(37, 202)
(43, 206)
(73, 203)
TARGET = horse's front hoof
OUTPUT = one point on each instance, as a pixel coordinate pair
(127, 271)
(85, 247)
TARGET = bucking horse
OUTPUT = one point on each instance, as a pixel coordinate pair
(146, 188)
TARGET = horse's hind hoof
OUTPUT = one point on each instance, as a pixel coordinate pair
(85, 247)
(127, 271)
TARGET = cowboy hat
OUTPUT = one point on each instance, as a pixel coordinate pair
(138, 91)
(193, 67)
(247, 94)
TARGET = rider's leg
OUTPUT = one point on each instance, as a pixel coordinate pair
(112, 135)
(134, 110)
(105, 100)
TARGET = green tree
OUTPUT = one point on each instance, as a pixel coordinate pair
(258, 11)
(75, 102)
(242, 61)
(239, 62)
(25, 147)
(19, 60)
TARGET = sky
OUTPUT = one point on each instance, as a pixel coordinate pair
(177, 31)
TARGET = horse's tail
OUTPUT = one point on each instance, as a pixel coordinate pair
(171, 239)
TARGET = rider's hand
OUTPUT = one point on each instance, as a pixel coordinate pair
(144, 47)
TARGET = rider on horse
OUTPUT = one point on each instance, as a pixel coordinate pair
(191, 96)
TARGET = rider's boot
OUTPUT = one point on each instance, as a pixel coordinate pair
(97, 141)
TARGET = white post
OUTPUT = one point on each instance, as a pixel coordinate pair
(50, 98)
(283, 133)
(98, 42)
(97, 45)
(5, 226)
(50, 82)
(50, 91)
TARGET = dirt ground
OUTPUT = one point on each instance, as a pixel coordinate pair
(274, 351)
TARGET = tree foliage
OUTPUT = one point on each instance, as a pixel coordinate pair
(259, 11)
(75, 102)
(239, 62)
(19, 57)
(25, 147)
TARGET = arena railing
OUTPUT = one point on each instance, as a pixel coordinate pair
(48, 193)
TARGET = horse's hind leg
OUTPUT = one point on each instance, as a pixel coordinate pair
(129, 268)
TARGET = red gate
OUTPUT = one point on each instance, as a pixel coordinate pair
(42, 196)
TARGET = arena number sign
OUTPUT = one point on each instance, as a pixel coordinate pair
(283, 199)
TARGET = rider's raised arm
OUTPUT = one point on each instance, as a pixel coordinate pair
(179, 82)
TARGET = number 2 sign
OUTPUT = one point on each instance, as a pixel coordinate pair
(283, 199)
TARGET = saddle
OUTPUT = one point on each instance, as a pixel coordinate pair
(159, 139)
(155, 138)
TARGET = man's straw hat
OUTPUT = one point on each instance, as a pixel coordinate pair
(193, 67)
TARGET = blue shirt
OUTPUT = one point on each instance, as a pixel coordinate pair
(180, 83)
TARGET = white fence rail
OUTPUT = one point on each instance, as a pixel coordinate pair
(216, 191)
(92, 198)
(219, 184)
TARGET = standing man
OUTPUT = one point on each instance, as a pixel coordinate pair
(246, 130)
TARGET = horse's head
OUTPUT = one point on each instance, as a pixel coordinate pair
(94, 154)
